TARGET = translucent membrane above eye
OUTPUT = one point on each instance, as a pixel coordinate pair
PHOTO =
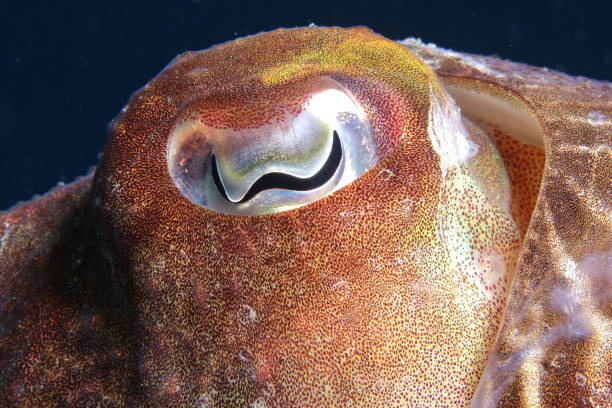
(278, 166)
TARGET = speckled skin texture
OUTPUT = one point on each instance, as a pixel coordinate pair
(305, 308)
(380, 294)
(555, 349)
(64, 318)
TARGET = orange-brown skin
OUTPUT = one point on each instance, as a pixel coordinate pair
(555, 348)
(525, 164)
(306, 308)
(170, 304)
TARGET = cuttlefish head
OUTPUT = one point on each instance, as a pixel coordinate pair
(307, 220)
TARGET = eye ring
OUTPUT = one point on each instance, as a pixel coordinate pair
(281, 165)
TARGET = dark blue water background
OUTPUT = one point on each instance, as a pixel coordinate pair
(69, 66)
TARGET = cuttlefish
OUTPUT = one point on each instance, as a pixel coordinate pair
(321, 217)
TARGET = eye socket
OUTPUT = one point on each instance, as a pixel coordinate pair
(281, 165)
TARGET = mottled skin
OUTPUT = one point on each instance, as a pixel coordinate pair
(555, 349)
(129, 294)
(244, 310)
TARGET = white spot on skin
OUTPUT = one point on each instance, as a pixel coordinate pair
(5, 235)
(259, 403)
(581, 380)
(597, 118)
(493, 268)
(570, 269)
(386, 174)
(269, 390)
(341, 289)
(577, 322)
(248, 314)
(183, 258)
(418, 41)
(597, 269)
(341, 284)
(408, 204)
(557, 360)
(245, 356)
(198, 71)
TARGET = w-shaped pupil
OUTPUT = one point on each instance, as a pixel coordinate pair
(287, 181)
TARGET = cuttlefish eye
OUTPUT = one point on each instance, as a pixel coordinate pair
(303, 154)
